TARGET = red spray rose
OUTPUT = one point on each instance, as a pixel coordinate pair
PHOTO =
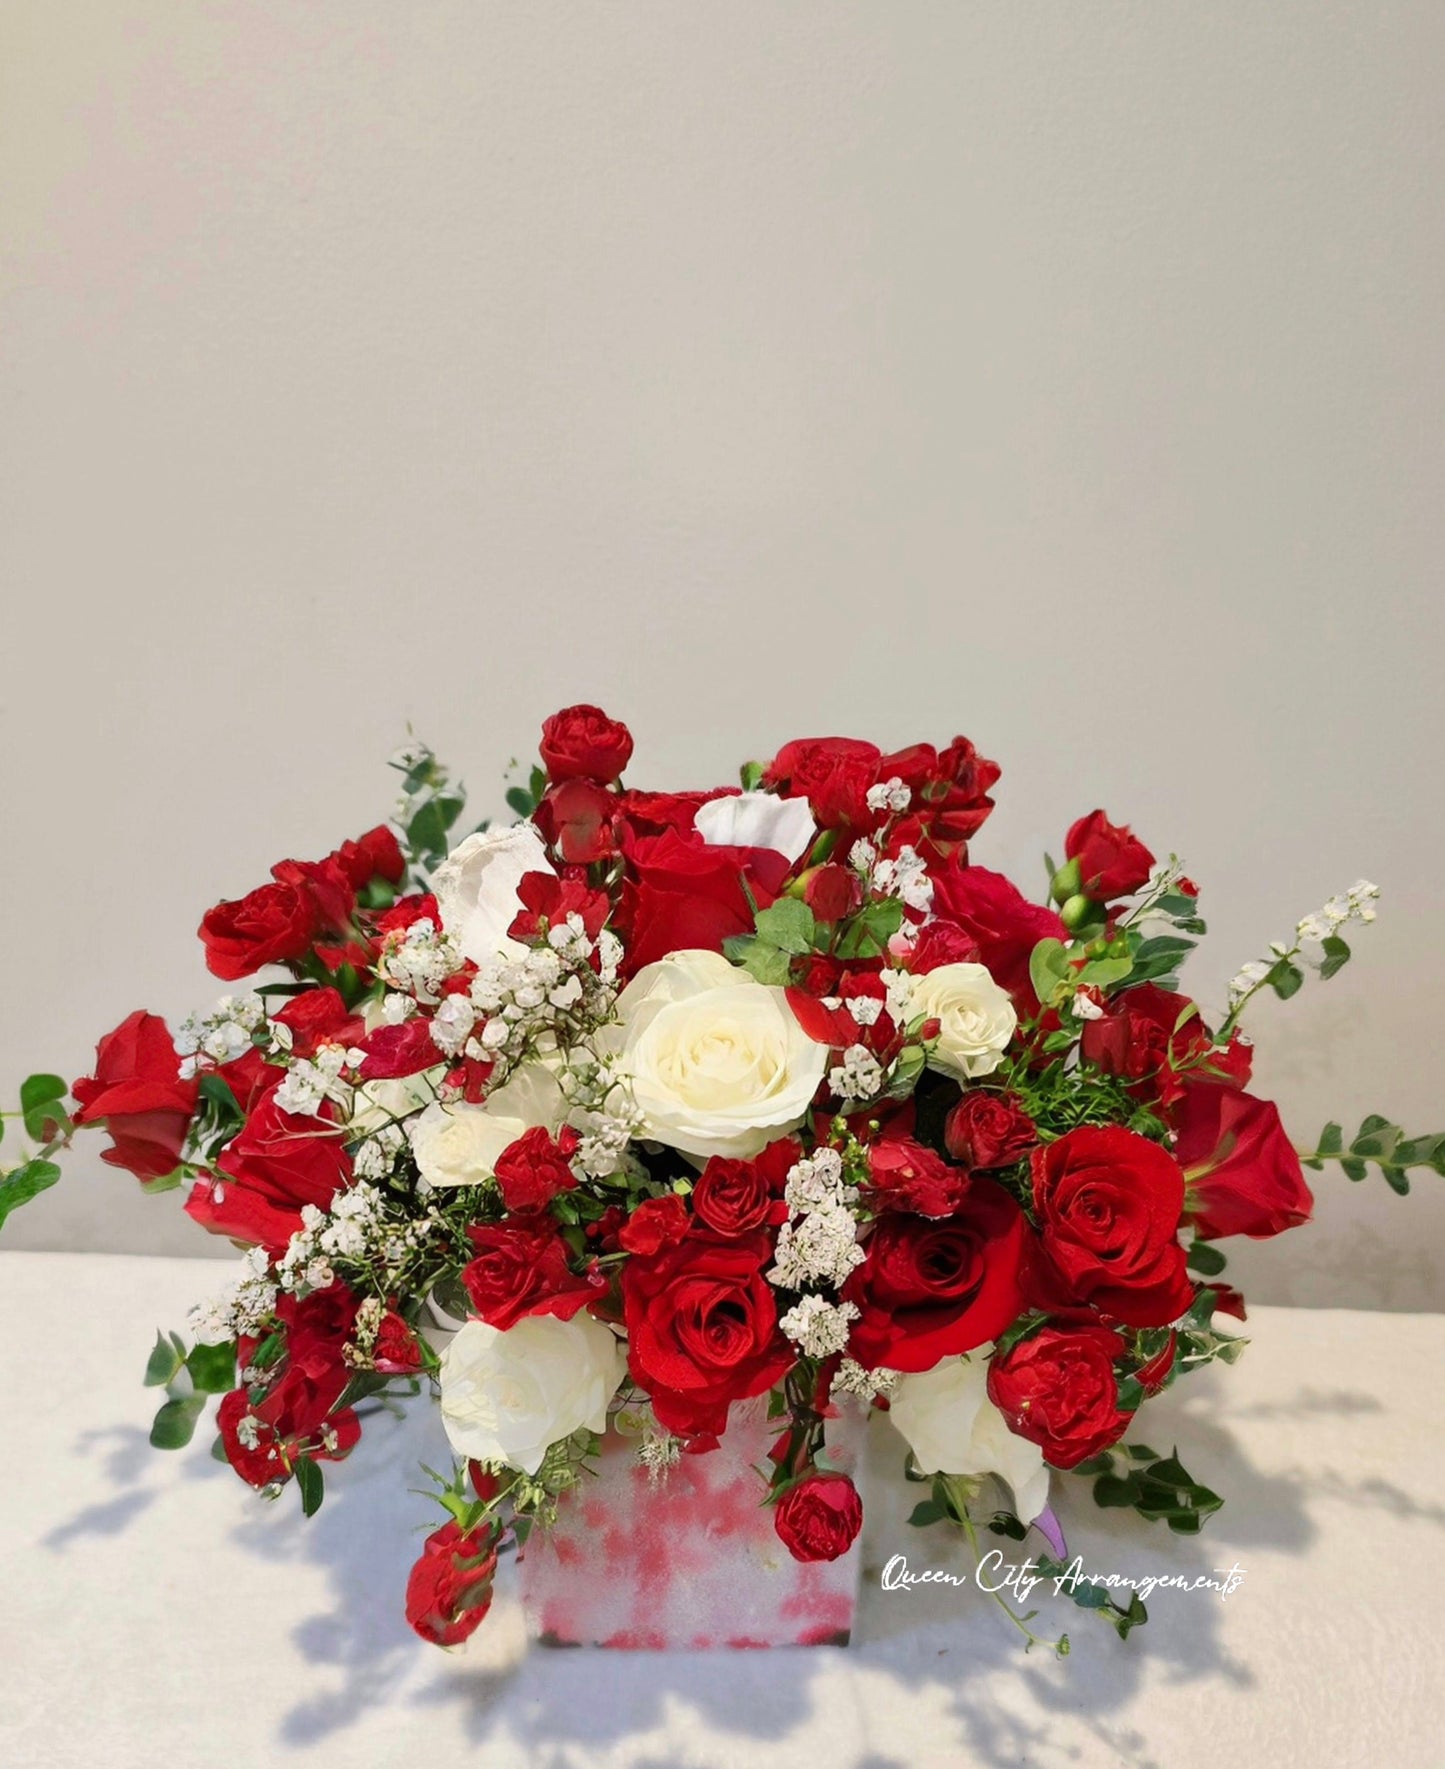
(819, 1518)
(373, 855)
(521, 1268)
(532, 1170)
(734, 1197)
(582, 743)
(1148, 1035)
(1242, 1174)
(275, 1165)
(1113, 862)
(655, 1223)
(907, 1176)
(404, 1049)
(928, 1290)
(137, 1093)
(988, 1130)
(274, 924)
(832, 891)
(449, 1590)
(575, 818)
(702, 1328)
(1108, 1204)
(1058, 1389)
(833, 774)
(313, 1018)
(683, 892)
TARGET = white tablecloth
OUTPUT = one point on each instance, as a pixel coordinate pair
(153, 1612)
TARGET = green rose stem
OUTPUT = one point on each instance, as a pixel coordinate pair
(961, 1489)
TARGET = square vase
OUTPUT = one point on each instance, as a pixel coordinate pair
(689, 1558)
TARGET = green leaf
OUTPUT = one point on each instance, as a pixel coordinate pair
(1336, 956)
(162, 1364)
(927, 1511)
(867, 934)
(520, 801)
(312, 1483)
(175, 1423)
(1113, 1491)
(1048, 967)
(40, 1110)
(1352, 1167)
(22, 1184)
(1205, 1258)
(1285, 979)
(212, 1368)
(788, 925)
(1105, 972)
(751, 775)
(1332, 1140)
(762, 961)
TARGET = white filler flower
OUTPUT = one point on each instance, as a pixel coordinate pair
(507, 1396)
(717, 1061)
(476, 889)
(976, 1018)
(952, 1427)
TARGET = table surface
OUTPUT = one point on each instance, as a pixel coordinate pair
(152, 1610)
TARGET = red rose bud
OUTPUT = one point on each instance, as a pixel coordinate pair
(1242, 1172)
(135, 1091)
(1058, 1389)
(1152, 1374)
(988, 1130)
(373, 855)
(820, 1517)
(521, 1268)
(831, 891)
(274, 924)
(575, 818)
(582, 743)
(532, 1170)
(450, 1587)
(733, 1196)
(1112, 861)
(485, 1484)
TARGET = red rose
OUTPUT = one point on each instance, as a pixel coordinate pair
(315, 1017)
(575, 818)
(274, 924)
(520, 1268)
(449, 1590)
(532, 1170)
(833, 774)
(1108, 1204)
(276, 1164)
(1148, 1035)
(373, 855)
(1003, 924)
(940, 943)
(654, 813)
(819, 1518)
(928, 1290)
(950, 797)
(396, 1351)
(734, 1197)
(1241, 1172)
(1059, 1390)
(1113, 862)
(907, 1176)
(547, 898)
(655, 1223)
(582, 743)
(684, 893)
(988, 1130)
(325, 882)
(702, 1328)
(136, 1092)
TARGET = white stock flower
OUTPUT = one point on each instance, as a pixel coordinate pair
(717, 1061)
(952, 1427)
(458, 1144)
(507, 1396)
(976, 1018)
(476, 889)
(757, 820)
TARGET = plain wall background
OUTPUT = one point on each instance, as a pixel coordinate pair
(1065, 375)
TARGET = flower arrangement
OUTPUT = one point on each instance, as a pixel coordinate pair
(661, 1103)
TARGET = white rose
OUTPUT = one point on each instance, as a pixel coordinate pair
(952, 1427)
(719, 1064)
(506, 1396)
(976, 1018)
(458, 1144)
(476, 889)
(757, 820)
(375, 1104)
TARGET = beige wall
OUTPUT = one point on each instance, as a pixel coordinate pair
(1067, 375)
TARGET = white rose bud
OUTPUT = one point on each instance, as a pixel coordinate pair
(718, 1062)
(976, 1018)
(952, 1427)
(507, 1396)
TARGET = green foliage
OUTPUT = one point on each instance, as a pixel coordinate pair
(767, 963)
(1094, 1598)
(25, 1182)
(1205, 1258)
(1378, 1143)
(312, 1485)
(40, 1109)
(1163, 1491)
(866, 934)
(174, 1425)
(751, 776)
(431, 805)
(787, 925)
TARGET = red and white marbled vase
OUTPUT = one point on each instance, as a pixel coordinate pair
(690, 1559)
